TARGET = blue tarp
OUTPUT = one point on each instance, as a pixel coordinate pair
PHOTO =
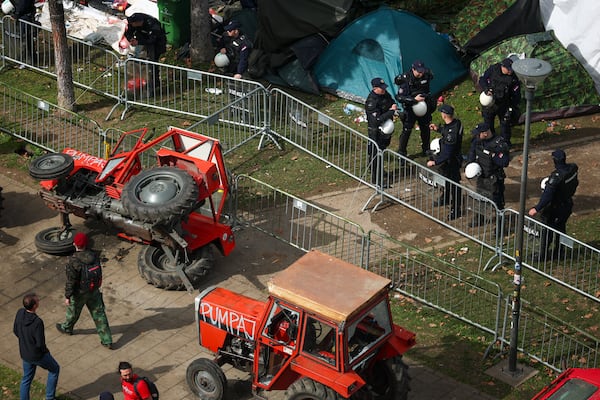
(384, 43)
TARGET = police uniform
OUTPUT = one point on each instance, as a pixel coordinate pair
(492, 155)
(506, 92)
(25, 11)
(449, 160)
(556, 202)
(378, 110)
(238, 50)
(409, 87)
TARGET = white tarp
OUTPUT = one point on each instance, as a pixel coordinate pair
(575, 24)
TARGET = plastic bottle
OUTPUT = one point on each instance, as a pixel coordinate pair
(350, 108)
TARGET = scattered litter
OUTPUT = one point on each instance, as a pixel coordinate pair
(215, 91)
(296, 118)
(360, 118)
(350, 108)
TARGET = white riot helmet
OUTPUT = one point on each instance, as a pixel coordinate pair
(472, 170)
(544, 182)
(420, 108)
(435, 146)
(387, 128)
(485, 99)
(221, 60)
(7, 7)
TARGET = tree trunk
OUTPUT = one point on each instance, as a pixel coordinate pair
(201, 49)
(64, 68)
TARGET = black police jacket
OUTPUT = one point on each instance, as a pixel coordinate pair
(506, 89)
(491, 154)
(450, 154)
(377, 108)
(409, 86)
(560, 188)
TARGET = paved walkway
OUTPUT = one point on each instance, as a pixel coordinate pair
(152, 328)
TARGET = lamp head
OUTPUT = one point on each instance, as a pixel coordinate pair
(531, 71)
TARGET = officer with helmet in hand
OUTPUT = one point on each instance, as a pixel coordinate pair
(499, 82)
(237, 47)
(380, 108)
(556, 202)
(491, 153)
(414, 91)
(449, 160)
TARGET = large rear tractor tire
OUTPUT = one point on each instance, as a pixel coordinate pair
(388, 380)
(55, 241)
(157, 269)
(206, 379)
(51, 166)
(160, 195)
(307, 389)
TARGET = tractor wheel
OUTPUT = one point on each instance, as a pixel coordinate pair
(55, 241)
(206, 379)
(156, 267)
(388, 380)
(307, 389)
(160, 195)
(51, 166)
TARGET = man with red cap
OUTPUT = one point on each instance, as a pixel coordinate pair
(82, 288)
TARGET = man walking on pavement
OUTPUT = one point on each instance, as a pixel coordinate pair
(29, 328)
(500, 82)
(82, 288)
(449, 160)
(413, 88)
(556, 202)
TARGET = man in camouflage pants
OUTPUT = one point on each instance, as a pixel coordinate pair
(77, 296)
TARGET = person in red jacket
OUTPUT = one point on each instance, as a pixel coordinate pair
(128, 380)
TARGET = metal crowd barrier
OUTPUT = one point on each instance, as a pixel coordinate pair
(94, 68)
(296, 221)
(549, 340)
(45, 124)
(191, 92)
(571, 263)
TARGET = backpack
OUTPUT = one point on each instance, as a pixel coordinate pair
(151, 387)
(91, 277)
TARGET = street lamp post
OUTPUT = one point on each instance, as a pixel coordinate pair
(531, 72)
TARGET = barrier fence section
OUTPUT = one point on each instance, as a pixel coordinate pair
(569, 262)
(437, 283)
(296, 221)
(550, 340)
(192, 92)
(93, 67)
(47, 125)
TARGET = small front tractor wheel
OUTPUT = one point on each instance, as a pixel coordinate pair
(55, 241)
(307, 389)
(206, 379)
(160, 195)
(157, 268)
(51, 166)
(388, 380)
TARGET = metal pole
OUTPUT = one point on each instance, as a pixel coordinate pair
(517, 278)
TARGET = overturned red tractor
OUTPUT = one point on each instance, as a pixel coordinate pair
(325, 333)
(167, 192)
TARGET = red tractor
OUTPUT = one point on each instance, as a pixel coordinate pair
(325, 333)
(167, 192)
(573, 384)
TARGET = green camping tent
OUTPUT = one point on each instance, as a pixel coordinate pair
(568, 90)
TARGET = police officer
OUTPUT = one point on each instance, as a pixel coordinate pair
(25, 11)
(379, 107)
(449, 160)
(556, 202)
(413, 87)
(237, 47)
(492, 154)
(147, 31)
(500, 82)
